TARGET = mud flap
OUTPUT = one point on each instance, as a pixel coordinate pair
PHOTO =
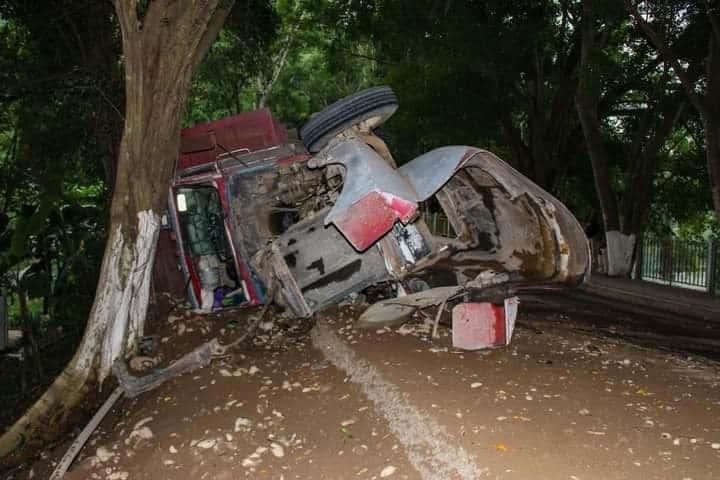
(483, 325)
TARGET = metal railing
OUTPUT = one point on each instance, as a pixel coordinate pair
(684, 263)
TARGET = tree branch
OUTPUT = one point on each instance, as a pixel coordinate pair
(698, 101)
(279, 66)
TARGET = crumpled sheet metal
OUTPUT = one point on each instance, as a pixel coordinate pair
(555, 247)
(572, 249)
(395, 311)
(375, 196)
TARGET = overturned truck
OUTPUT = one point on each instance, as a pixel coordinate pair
(259, 216)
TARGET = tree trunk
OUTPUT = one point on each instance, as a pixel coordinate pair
(598, 158)
(543, 154)
(645, 160)
(519, 152)
(619, 247)
(538, 123)
(161, 51)
(279, 62)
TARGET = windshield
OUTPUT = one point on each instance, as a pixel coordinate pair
(202, 221)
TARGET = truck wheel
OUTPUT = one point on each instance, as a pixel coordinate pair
(373, 105)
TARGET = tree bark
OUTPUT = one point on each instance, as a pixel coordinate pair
(519, 152)
(542, 154)
(645, 158)
(538, 123)
(586, 102)
(161, 51)
(619, 247)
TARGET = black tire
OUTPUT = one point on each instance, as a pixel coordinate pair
(377, 103)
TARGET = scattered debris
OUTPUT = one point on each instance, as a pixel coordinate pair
(103, 454)
(242, 423)
(388, 471)
(207, 443)
(277, 450)
(139, 434)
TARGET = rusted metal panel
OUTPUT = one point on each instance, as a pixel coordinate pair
(247, 131)
(506, 223)
(324, 268)
(502, 219)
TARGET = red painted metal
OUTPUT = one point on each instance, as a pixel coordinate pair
(373, 216)
(194, 279)
(201, 144)
(254, 299)
(479, 325)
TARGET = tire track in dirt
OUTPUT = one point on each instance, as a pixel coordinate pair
(428, 446)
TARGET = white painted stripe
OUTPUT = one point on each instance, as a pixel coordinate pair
(427, 444)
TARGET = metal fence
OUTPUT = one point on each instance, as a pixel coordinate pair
(684, 263)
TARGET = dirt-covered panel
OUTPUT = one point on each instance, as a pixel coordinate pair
(325, 266)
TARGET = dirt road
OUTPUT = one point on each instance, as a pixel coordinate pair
(339, 403)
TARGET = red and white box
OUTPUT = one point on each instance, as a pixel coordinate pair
(483, 325)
